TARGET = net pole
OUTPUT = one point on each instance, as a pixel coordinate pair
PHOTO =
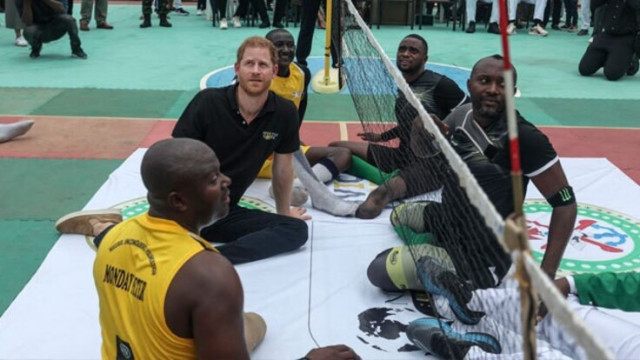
(327, 41)
(528, 299)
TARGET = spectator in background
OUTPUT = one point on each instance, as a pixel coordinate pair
(163, 9)
(178, 9)
(13, 21)
(586, 18)
(493, 20)
(571, 16)
(45, 21)
(258, 6)
(100, 7)
(538, 15)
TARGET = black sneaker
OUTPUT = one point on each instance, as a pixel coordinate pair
(583, 32)
(35, 51)
(181, 11)
(633, 69)
(493, 28)
(79, 53)
(264, 25)
(164, 22)
(437, 337)
(471, 28)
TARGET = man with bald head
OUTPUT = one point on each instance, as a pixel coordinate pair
(163, 290)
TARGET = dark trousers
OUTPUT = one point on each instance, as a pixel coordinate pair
(258, 6)
(571, 11)
(39, 34)
(279, 11)
(251, 235)
(163, 7)
(613, 53)
(308, 26)
(202, 4)
(219, 7)
(557, 11)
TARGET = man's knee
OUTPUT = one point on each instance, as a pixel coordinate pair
(340, 156)
(296, 230)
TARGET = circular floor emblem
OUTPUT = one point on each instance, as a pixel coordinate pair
(602, 240)
(135, 207)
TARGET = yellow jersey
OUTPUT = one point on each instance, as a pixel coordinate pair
(291, 87)
(134, 266)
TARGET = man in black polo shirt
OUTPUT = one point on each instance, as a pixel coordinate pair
(244, 123)
(438, 95)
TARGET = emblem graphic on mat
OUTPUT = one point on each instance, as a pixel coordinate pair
(602, 239)
(384, 328)
(138, 206)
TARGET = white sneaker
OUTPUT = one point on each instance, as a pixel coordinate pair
(199, 12)
(21, 41)
(223, 24)
(236, 22)
(511, 29)
(538, 30)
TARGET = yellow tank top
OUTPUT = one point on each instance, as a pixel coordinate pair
(134, 266)
(291, 87)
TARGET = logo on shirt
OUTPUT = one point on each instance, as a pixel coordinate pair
(268, 135)
(602, 239)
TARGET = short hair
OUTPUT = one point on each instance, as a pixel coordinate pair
(500, 58)
(275, 31)
(421, 39)
(259, 42)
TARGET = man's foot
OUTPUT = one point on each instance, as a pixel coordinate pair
(164, 22)
(236, 22)
(511, 28)
(21, 41)
(493, 28)
(181, 12)
(10, 131)
(105, 25)
(223, 24)
(471, 28)
(84, 26)
(555, 27)
(146, 22)
(438, 280)
(375, 203)
(299, 195)
(583, 32)
(278, 25)
(78, 53)
(264, 25)
(633, 69)
(538, 30)
(88, 222)
(437, 337)
(199, 12)
(565, 27)
(572, 29)
(35, 51)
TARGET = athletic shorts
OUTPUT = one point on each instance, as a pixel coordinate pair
(265, 172)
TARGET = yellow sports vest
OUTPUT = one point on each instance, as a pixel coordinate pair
(134, 266)
(291, 87)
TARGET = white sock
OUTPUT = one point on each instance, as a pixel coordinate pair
(9, 131)
(322, 173)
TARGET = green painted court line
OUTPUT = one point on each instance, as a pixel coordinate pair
(586, 112)
(47, 189)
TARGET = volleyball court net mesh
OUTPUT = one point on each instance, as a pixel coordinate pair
(451, 230)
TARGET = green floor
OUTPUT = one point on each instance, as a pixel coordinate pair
(153, 73)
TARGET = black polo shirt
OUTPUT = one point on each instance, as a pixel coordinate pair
(213, 117)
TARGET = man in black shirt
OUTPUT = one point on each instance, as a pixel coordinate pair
(438, 95)
(613, 47)
(244, 123)
(44, 22)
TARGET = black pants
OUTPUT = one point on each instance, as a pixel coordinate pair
(163, 7)
(571, 12)
(203, 5)
(251, 235)
(62, 24)
(613, 53)
(307, 27)
(219, 7)
(279, 11)
(557, 11)
(258, 6)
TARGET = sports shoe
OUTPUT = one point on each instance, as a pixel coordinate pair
(471, 28)
(79, 222)
(438, 280)
(572, 29)
(223, 24)
(511, 28)
(236, 22)
(20, 41)
(538, 30)
(78, 53)
(199, 12)
(583, 32)
(494, 28)
(35, 51)
(438, 338)
(104, 25)
(299, 195)
(181, 11)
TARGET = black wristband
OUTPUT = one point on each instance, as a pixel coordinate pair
(563, 197)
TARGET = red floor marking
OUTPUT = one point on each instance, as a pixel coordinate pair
(319, 134)
(161, 130)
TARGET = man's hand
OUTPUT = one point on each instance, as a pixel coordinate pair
(369, 136)
(563, 286)
(299, 213)
(335, 352)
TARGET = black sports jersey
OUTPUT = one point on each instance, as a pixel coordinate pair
(213, 117)
(486, 152)
(438, 94)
